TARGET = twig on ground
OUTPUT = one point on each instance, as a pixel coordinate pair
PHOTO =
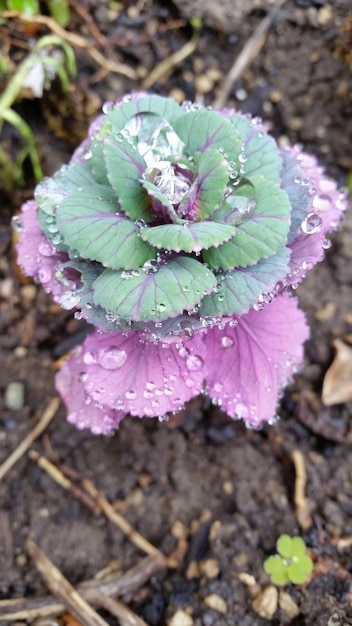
(167, 65)
(302, 505)
(28, 441)
(122, 585)
(62, 589)
(248, 54)
(124, 614)
(61, 480)
(91, 25)
(96, 501)
(120, 521)
(75, 40)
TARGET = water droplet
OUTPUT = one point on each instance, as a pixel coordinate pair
(46, 249)
(241, 410)
(322, 202)
(227, 342)
(89, 358)
(151, 266)
(107, 107)
(16, 223)
(194, 362)
(44, 275)
(327, 244)
(88, 155)
(82, 376)
(311, 224)
(126, 275)
(52, 228)
(218, 387)
(183, 352)
(130, 395)
(112, 358)
(242, 158)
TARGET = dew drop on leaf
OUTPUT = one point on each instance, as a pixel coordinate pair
(322, 202)
(16, 223)
(227, 342)
(112, 358)
(194, 362)
(311, 224)
(89, 358)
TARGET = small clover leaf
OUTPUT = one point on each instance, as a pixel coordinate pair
(292, 564)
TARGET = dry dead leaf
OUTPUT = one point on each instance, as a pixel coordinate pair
(337, 385)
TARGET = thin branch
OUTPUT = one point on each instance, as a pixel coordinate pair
(167, 65)
(247, 56)
(62, 589)
(75, 41)
(302, 505)
(99, 502)
(125, 615)
(121, 585)
(28, 441)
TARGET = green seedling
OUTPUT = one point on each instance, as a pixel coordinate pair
(51, 65)
(58, 9)
(291, 564)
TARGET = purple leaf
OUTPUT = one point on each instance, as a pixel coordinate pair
(83, 411)
(139, 377)
(36, 254)
(248, 365)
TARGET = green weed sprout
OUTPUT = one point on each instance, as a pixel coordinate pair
(62, 66)
(292, 564)
(58, 9)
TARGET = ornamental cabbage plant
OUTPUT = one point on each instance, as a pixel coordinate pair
(178, 232)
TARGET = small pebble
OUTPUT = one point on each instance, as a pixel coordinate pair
(14, 396)
(216, 602)
(265, 604)
(210, 568)
(181, 618)
(288, 606)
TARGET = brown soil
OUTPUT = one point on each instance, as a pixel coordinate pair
(226, 492)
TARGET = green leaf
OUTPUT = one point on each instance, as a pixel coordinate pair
(295, 574)
(201, 130)
(156, 195)
(176, 286)
(259, 149)
(125, 167)
(276, 568)
(118, 117)
(60, 11)
(190, 237)
(258, 237)
(284, 546)
(238, 290)
(31, 7)
(89, 223)
(51, 192)
(207, 191)
(306, 563)
(298, 547)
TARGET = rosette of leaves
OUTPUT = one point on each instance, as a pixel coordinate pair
(291, 564)
(176, 231)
